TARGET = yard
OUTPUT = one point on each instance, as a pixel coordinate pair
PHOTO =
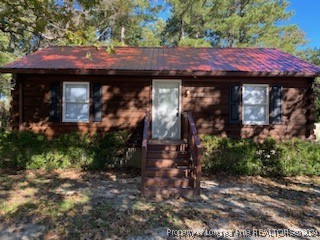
(77, 204)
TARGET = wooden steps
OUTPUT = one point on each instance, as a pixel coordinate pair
(171, 182)
(165, 154)
(166, 172)
(167, 163)
(168, 169)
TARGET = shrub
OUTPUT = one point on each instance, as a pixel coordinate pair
(270, 158)
(300, 158)
(17, 147)
(27, 150)
(110, 150)
(4, 114)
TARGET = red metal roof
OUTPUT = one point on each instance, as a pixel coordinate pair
(179, 59)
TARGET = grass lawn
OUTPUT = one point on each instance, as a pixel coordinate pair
(85, 205)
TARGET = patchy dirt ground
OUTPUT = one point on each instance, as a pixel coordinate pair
(100, 205)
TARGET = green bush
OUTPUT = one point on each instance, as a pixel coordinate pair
(269, 158)
(27, 150)
(110, 150)
(4, 114)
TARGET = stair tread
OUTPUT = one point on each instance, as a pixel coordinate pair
(168, 159)
(167, 163)
(168, 172)
(169, 188)
(165, 154)
(171, 154)
(168, 178)
(165, 181)
(167, 151)
(167, 142)
(162, 169)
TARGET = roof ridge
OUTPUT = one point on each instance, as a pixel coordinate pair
(157, 47)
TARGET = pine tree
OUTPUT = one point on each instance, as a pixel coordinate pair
(185, 21)
(120, 21)
(233, 23)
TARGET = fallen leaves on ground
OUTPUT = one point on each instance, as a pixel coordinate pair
(84, 205)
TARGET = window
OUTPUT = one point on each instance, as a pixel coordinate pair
(255, 104)
(75, 102)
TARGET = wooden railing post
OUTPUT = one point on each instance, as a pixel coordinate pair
(199, 170)
(143, 168)
(196, 152)
(185, 125)
(144, 150)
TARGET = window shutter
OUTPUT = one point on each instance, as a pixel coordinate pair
(54, 115)
(234, 103)
(97, 102)
(276, 105)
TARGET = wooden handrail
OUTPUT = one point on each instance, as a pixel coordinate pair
(144, 150)
(193, 129)
(195, 150)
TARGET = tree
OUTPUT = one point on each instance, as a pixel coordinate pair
(233, 23)
(313, 56)
(191, 42)
(38, 23)
(152, 34)
(186, 21)
(5, 82)
(5, 57)
(149, 38)
(122, 21)
(259, 23)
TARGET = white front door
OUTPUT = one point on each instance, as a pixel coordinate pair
(166, 115)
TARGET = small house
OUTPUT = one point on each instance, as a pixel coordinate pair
(168, 96)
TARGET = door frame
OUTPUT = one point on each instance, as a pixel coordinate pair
(179, 81)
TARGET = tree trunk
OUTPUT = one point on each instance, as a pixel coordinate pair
(122, 35)
(181, 34)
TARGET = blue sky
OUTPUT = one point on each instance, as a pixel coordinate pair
(307, 16)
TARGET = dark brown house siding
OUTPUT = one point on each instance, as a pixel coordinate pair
(126, 99)
(125, 102)
(209, 102)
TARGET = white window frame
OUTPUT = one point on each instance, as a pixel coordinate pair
(266, 122)
(64, 103)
